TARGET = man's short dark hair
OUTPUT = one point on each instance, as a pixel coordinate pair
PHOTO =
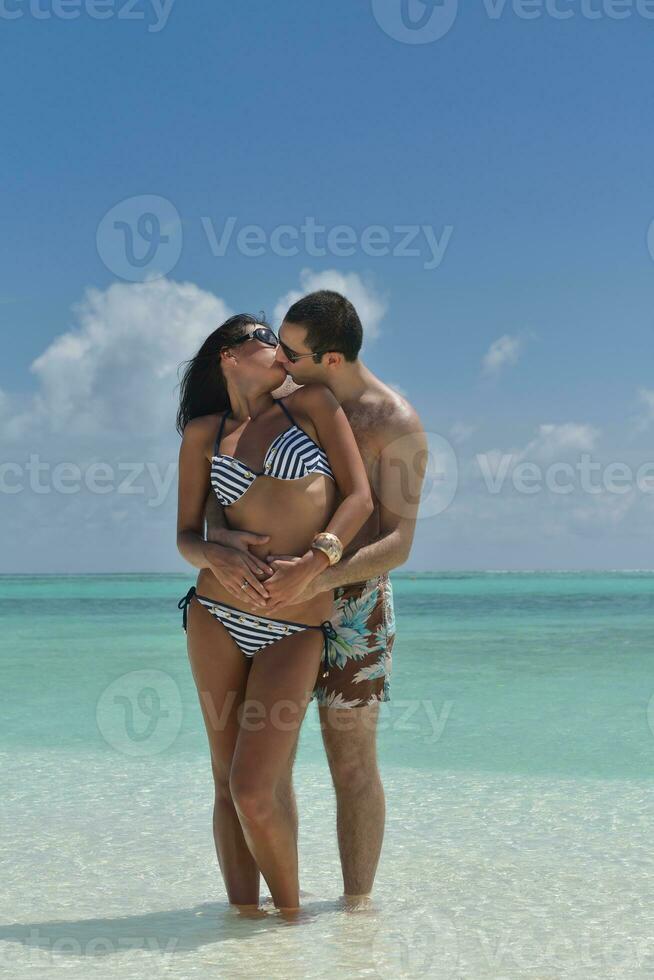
(331, 323)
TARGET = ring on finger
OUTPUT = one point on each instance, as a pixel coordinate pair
(245, 584)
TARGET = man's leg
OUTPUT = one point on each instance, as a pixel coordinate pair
(350, 740)
(348, 704)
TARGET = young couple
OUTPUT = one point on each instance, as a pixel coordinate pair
(309, 501)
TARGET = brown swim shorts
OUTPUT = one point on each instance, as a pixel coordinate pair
(360, 656)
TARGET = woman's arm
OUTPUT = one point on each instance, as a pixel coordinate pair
(401, 467)
(230, 566)
(337, 439)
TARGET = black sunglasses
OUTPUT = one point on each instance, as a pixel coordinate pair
(264, 334)
(293, 356)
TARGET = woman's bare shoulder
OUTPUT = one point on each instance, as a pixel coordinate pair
(311, 397)
(202, 428)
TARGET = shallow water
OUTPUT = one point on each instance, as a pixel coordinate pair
(517, 756)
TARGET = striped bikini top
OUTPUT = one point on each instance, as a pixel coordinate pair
(291, 455)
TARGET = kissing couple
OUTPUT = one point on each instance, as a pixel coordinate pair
(294, 509)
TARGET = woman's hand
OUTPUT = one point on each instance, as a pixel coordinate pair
(292, 577)
(233, 566)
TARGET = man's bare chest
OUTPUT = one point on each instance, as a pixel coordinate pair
(368, 440)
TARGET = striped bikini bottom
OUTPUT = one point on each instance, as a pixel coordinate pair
(252, 633)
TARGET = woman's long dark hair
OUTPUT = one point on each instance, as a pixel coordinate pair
(202, 389)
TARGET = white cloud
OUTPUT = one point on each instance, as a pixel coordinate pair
(505, 350)
(116, 369)
(555, 440)
(461, 431)
(105, 390)
(370, 306)
(646, 419)
(601, 513)
(554, 517)
(551, 444)
(105, 393)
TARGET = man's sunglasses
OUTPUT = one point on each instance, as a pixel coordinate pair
(293, 356)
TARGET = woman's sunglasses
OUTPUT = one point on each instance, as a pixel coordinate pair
(264, 334)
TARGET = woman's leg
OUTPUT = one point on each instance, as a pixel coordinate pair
(279, 688)
(221, 671)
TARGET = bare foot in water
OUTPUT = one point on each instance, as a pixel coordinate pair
(249, 911)
(268, 899)
(298, 914)
(356, 903)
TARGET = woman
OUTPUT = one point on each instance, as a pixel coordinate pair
(291, 464)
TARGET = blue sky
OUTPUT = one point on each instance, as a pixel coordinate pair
(523, 146)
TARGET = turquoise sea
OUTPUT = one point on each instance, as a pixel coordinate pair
(517, 755)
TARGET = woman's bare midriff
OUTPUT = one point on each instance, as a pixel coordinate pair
(291, 512)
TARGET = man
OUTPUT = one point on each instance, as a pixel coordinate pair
(320, 340)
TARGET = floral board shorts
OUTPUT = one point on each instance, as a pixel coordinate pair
(360, 656)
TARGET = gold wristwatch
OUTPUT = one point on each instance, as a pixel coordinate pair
(329, 544)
